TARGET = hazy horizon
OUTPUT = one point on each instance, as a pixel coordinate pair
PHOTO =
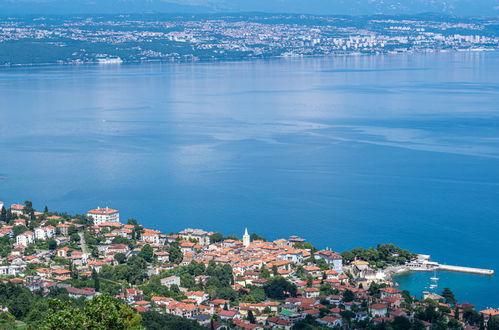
(325, 7)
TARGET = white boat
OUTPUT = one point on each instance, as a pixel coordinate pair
(434, 278)
(433, 286)
(107, 60)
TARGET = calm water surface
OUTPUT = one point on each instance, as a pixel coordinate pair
(345, 152)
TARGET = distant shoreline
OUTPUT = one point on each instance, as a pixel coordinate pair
(245, 59)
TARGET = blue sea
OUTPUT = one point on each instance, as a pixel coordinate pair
(343, 151)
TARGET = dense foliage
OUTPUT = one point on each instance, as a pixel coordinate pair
(381, 256)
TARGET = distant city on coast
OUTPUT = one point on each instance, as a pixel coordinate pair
(136, 38)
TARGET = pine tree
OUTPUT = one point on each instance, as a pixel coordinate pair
(251, 317)
(449, 296)
(3, 215)
(176, 255)
(96, 279)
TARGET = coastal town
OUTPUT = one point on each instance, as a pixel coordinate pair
(144, 38)
(209, 280)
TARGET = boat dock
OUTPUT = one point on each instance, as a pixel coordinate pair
(466, 270)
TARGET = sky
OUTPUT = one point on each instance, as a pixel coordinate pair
(349, 7)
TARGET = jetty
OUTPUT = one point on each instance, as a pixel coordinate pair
(470, 270)
(423, 263)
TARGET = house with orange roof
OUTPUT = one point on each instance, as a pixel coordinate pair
(390, 292)
(63, 228)
(187, 247)
(62, 252)
(161, 301)
(488, 313)
(378, 310)
(17, 209)
(197, 296)
(330, 321)
(331, 274)
(60, 272)
(19, 222)
(313, 271)
(294, 255)
(96, 264)
(6, 231)
(311, 293)
(150, 236)
(281, 265)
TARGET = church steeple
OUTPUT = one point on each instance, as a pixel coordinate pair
(246, 238)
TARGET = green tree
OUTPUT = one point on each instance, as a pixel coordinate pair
(132, 222)
(123, 240)
(449, 296)
(347, 316)
(348, 296)
(348, 256)
(279, 288)
(216, 237)
(251, 317)
(176, 255)
(402, 323)
(96, 279)
(256, 237)
(18, 230)
(137, 232)
(28, 210)
(101, 312)
(493, 323)
(52, 244)
(146, 252)
(120, 258)
(264, 272)
(3, 215)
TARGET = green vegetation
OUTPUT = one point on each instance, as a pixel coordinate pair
(176, 255)
(280, 288)
(101, 312)
(381, 256)
(305, 246)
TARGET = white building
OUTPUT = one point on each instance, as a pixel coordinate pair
(25, 238)
(44, 233)
(171, 280)
(246, 238)
(333, 259)
(202, 237)
(10, 270)
(103, 215)
(1, 205)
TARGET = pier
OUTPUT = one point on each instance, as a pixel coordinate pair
(423, 263)
(466, 269)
